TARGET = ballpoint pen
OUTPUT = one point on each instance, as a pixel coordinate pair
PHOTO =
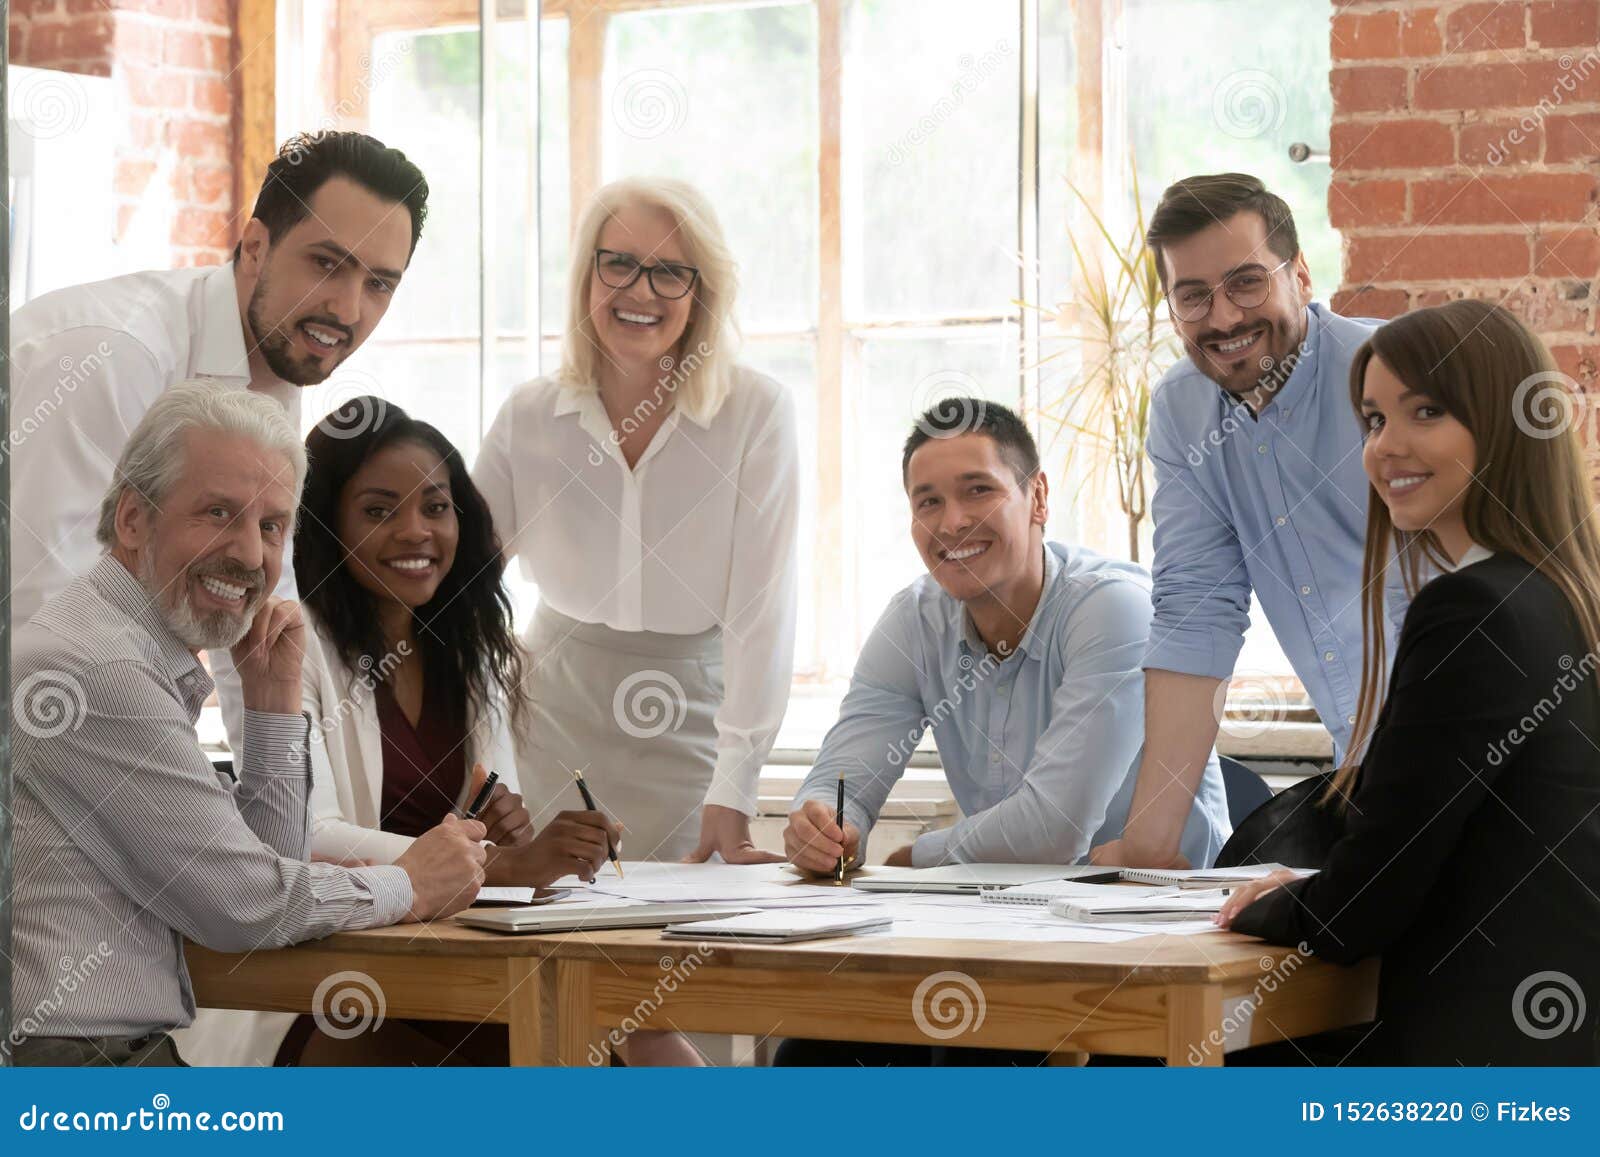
(838, 818)
(588, 802)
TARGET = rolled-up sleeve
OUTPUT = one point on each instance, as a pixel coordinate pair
(1201, 594)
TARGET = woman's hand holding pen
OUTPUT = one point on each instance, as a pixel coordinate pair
(506, 818)
(814, 842)
(574, 843)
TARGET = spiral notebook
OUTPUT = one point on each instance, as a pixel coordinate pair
(1207, 877)
(1042, 892)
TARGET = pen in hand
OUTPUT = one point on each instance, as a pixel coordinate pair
(481, 800)
(838, 819)
(588, 802)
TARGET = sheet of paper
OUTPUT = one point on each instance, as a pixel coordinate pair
(1060, 933)
(671, 883)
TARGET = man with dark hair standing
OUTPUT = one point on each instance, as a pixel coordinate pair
(1259, 488)
(333, 229)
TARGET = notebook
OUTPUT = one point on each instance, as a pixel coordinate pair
(1207, 877)
(971, 879)
(583, 918)
(1175, 905)
(1040, 894)
(779, 927)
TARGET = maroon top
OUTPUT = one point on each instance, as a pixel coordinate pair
(424, 766)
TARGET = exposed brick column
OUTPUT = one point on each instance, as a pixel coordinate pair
(1466, 161)
(171, 62)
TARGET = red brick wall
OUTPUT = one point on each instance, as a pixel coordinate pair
(1466, 161)
(171, 62)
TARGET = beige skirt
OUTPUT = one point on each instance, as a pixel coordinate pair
(634, 711)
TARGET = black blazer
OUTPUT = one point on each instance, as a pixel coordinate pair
(1471, 855)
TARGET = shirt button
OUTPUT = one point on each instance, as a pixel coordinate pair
(1328, 655)
(1261, 449)
(1282, 520)
(1350, 719)
(1305, 590)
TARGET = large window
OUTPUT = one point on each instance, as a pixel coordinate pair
(892, 174)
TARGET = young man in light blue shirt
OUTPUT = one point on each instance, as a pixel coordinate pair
(1023, 657)
(1259, 488)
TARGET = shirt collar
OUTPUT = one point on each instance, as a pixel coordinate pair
(1028, 646)
(117, 585)
(585, 402)
(1305, 370)
(219, 349)
(1475, 553)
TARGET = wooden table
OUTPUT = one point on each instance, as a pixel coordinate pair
(568, 997)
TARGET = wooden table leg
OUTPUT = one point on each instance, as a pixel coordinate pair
(574, 1037)
(1194, 1025)
(526, 1013)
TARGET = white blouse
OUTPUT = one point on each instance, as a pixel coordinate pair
(701, 533)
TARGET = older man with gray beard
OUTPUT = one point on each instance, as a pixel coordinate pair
(127, 842)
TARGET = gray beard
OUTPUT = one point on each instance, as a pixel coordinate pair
(198, 632)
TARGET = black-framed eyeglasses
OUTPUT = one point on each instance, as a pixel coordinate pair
(1246, 288)
(620, 270)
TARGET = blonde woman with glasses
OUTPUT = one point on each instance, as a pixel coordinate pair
(650, 488)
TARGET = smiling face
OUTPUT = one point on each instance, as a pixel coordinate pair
(213, 551)
(398, 523)
(978, 529)
(316, 293)
(1419, 458)
(1235, 346)
(636, 325)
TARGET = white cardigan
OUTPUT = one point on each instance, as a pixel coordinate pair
(347, 755)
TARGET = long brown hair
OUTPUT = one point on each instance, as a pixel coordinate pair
(1531, 495)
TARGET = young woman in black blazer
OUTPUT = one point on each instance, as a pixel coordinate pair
(1471, 855)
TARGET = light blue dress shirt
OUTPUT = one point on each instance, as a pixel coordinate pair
(1041, 750)
(1277, 506)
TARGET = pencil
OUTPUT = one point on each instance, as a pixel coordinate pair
(588, 802)
(838, 818)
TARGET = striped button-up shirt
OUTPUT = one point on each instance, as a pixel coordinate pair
(127, 841)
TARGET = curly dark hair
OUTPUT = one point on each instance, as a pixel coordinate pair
(464, 633)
